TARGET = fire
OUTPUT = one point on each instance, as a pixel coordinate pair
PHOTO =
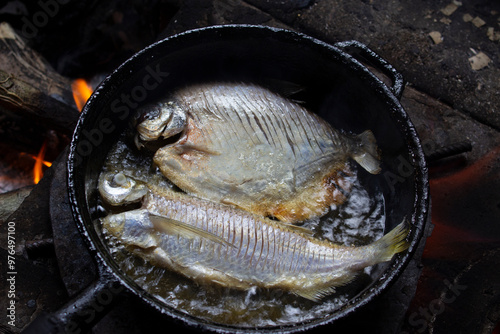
(458, 228)
(81, 92)
(39, 162)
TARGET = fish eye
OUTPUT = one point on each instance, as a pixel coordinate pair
(120, 179)
(146, 113)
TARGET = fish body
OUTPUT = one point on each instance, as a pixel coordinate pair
(218, 243)
(245, 145)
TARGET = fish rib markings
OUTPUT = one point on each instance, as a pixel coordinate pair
(225, 230)
(259, 244)
(272, 259)
(262, 111)
(284, 113)
(191, 216)
(223, 225)
(281, 250)
(233, 228)
(253, 241)
(253, 105)
(210, 127)
(315, 133)
(262, 238)
(246, 107)
(276, 251)
(300, 255)
(292, 256)
(290, 141)
(213, 108)
(286, 251)
(248, 237)
(271, 117)
(215, 229)
(262, 130)
(307, 258)
(285, 146)
(306, 133)
(240, 241)
(303, 136)
(250, 115)
(232, 106)
(315, 146)
(237, 109)
(257, 112)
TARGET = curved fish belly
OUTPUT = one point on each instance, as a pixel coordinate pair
(247, 146)
(217, 243)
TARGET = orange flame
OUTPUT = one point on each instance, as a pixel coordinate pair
(37, 170)
(81, 92)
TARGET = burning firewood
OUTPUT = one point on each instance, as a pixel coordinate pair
(30, 87)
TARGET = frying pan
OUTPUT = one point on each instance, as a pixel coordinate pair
(332, 76)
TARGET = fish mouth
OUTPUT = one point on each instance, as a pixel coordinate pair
(156, 144)
(113, 226)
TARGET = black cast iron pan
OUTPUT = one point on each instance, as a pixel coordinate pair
(331, 75)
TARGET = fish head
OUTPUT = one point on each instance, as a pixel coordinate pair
(132, 228)
(194, 159)
(119, 189)
(160, 120)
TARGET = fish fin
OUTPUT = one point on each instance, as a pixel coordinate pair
(299, 229)
(367, 152)
(137, 142)
(172, 226)
(392, 243)
(284, 87)
(190, 147)
(315, 294)
(227, 201)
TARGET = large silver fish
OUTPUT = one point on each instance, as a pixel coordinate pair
(217, 243)
(244, 145)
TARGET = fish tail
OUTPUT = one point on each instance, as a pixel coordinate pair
(392, 243)
(379, 251)
(366, 153)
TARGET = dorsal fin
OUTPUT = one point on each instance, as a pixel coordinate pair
(284, 87)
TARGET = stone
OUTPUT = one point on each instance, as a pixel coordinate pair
(436, 37)
(478, 22)
(479, 61)
(450, 9)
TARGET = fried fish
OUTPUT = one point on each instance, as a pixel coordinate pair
(212, 242)
(245, 145)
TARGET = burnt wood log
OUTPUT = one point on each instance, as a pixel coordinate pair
(10, 201)
(29, 86)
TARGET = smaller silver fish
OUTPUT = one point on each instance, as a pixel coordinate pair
(211, 242)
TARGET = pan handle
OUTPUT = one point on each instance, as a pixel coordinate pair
(82, 313)
(361, 52)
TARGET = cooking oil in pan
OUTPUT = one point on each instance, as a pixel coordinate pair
(358, 221)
